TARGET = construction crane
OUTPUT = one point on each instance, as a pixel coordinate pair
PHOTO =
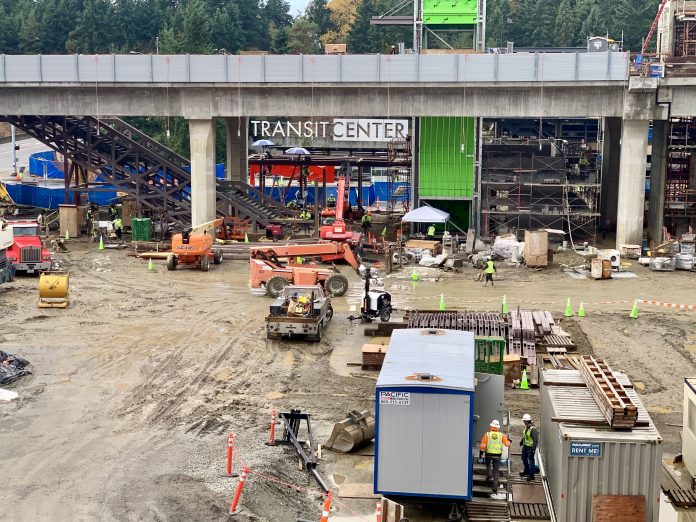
(646, 43)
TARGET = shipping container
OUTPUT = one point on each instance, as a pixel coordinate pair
(425, 415)
(584, 457)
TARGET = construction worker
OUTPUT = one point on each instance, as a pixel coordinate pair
(306, 215)
(366, 222)
(430, 234)
(118, 227)
(331, 202)
(489, 271)
(529, 442)
(113, 212)
(492, 446)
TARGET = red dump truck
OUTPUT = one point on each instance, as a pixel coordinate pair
(27, 253)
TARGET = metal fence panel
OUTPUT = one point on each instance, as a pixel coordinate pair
(557, 67)
(59, 68)
(517, 67)
(2, 68)
(283, 69)
(360, 68)
(477, 67)
(398, 68)
(321, 68)
(207, 68)
(620, 63)
(168, 69)
(96, 67)
(135, 69)
(22, 68)
(245, 69)
(437, 68)
(592, 66)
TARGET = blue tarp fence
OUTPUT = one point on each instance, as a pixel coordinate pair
(51, 197)
(42, 162)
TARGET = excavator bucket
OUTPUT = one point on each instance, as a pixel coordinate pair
(353, 432)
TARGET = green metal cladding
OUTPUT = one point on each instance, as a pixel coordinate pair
(446, 159)
(449, 12)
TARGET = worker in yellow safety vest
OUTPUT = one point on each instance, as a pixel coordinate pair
(529, 442)
(492, 445)
(489, 271)
(430, 234)
(118, 227)
(306, 215)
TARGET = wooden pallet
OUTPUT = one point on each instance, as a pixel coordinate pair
(520, 511)
(611, 397)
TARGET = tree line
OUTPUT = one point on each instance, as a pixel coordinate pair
(210, 26)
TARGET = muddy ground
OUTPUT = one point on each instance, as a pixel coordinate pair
(136, 385)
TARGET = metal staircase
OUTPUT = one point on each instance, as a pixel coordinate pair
(100, 152)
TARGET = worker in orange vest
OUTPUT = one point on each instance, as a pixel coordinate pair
(492, 445)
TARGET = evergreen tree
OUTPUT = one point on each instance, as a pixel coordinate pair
(362, 37)
(92, 29)
(225, 28)
(277, 12)
(565, 24)
(303, 37)
(318, 13)
(543, 31)
(30, 33)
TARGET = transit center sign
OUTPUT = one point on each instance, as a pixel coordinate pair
(339, 129)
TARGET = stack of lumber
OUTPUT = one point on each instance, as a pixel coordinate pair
(611, 397)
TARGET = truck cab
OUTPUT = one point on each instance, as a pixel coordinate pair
(27, 253)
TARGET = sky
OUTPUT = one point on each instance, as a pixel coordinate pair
(297, 5)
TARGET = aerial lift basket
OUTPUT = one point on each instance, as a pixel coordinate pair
(353, 432)
(53, 289)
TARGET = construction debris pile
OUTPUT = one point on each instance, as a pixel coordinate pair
(672, 255)
(12, 367)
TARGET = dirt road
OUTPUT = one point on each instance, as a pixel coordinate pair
(138, 382)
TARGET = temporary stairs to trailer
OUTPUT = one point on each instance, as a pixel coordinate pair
(134, 163)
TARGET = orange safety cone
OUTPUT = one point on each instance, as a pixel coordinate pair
(378, 511)
(327, 508)
(234, 509)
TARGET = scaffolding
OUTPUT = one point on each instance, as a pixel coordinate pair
(680, 176)
(399, 178)
(527, 186)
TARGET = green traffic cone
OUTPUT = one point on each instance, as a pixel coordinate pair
(101, 242)
(568, 310)
(414, 275)
(581, 310)
(634, 310)
(504, 310)
(150, 266)
(442, 302)
(524, 384)
(384, 232)
(246, 238)
(67, 234)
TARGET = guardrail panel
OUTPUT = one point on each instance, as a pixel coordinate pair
(283, 69)
(516, 67)
(320, 68)
(437, 68)
(132, 68)
(207, 68)
(59, 68)
(398, 68)
(245, 69)
(556, 67)
(96, 67)
(476, 67)
(356, 68)
(20, 68)
(619, 67)
(169, 68)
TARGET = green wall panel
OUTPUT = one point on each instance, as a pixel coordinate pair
(446, 158)
(460, 12)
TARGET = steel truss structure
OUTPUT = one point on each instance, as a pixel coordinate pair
(107, 154)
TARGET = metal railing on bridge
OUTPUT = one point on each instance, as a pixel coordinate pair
(314, 69)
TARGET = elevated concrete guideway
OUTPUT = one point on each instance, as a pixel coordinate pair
(201, 86)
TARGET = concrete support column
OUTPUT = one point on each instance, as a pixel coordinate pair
(631, 203)
(202, 136)
(237, 166)
(658, 166)
(611, 150)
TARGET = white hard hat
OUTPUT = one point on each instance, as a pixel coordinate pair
(495, 424)
(527, 417)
